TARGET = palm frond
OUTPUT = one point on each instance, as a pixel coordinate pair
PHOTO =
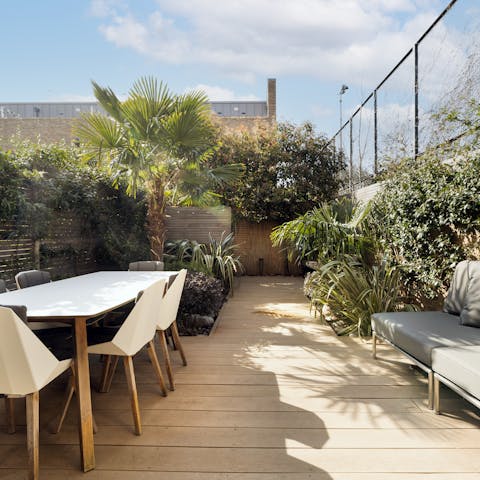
(108, 100)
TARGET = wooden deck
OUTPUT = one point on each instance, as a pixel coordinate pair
(269, 395)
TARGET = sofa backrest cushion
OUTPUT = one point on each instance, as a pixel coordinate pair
(463, 297)
(470, 314)
(458, 290)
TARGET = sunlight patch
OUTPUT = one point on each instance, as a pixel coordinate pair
(290, 310)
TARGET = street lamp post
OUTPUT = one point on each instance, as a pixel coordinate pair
(343, 89)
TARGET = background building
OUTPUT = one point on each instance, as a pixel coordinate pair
(54, 121)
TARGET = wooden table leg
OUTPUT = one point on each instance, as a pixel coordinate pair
(32, 435)
(82, 379)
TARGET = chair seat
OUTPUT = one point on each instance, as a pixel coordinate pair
(97, 335)
(58, 340)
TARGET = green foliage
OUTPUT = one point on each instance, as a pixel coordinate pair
(42, 182)
(202, 295)
(424, 215)
(326, 233)
(157, 141)
(354, 291)
(12, 197)
(350, 275)
(216, 258)
(288, 170)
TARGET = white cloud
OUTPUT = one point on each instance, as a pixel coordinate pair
(350, 40)
(104, 8)
(219, 94)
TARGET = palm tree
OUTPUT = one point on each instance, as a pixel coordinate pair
(327, 232)
(157, 141)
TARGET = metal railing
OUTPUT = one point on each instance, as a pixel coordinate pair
(398, 118)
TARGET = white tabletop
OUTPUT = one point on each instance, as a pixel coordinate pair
(84, 296)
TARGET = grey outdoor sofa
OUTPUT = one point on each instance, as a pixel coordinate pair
(445, 344)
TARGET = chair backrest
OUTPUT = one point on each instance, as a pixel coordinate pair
(140, 326)
(3, 286)
(26, 364)
(146, 266)
(168, 309)
(30, 278)
(20, 312)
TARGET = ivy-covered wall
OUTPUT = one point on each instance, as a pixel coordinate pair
(59, 214)
(427, 218)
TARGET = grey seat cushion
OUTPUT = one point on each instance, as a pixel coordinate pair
(460, 366)
(418, 333)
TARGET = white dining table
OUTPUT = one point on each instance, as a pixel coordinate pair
(76, 300)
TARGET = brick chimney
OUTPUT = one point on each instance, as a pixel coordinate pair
(272, 99)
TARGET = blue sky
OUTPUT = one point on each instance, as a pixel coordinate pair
(51, 49)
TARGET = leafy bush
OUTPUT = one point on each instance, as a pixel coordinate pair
(425, 214)
(202, 296)
(41, 182)
(288, 170)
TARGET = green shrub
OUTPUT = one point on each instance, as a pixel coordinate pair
(43, 182)
(354, 291)
(202, 295)
(424, 216)
(288, 170)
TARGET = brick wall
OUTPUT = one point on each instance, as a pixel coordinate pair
(51, 130)
(48, 130)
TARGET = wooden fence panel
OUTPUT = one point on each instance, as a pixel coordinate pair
(66, 251)
(16, 254)
(194, 223)
(257, 254)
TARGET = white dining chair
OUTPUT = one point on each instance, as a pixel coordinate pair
(167, 318)
(26, 366)
(138, 330)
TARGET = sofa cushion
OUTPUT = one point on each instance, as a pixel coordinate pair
(418, 333)
(460, 366)
(470, 314)
(457, 292)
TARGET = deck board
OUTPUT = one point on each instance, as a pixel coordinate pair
(272, 394)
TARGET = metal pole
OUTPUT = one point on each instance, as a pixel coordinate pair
(341, 129)
(375, 133)
(351, 156)
(416, 100)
